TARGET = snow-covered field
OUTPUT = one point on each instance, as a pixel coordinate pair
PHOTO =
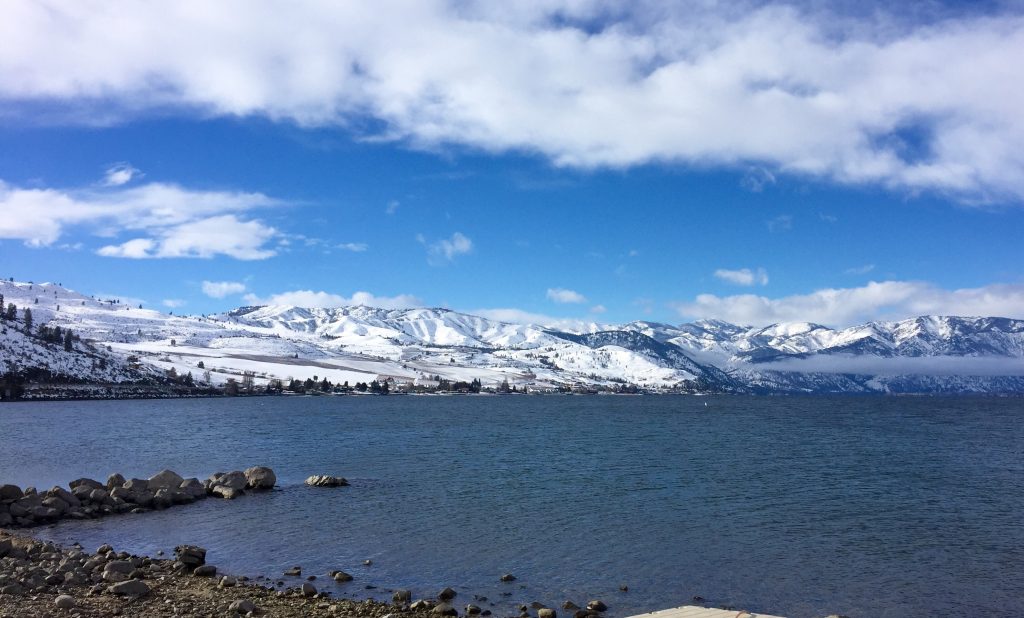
(417, 346)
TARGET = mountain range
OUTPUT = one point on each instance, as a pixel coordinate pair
(116, 343)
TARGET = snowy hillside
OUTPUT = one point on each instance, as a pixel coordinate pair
(427, 345)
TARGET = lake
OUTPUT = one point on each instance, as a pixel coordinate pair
(797, 506)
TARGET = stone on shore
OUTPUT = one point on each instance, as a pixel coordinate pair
(234, 480)
(446, 595)
(131, 588)
(444, 609)
(472, 610)
(226, 492)
(260, 477)
(401, 596)
(190, 555)
(207, 570)
(242, 606)
(341, 576)
(569, 605)
(114, 480)
(597, 606)
(308, 590)
(546, 612)
(294, 572)
(323, 480)
(64, 601)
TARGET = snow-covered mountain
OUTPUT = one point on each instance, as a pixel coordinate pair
(421, 346)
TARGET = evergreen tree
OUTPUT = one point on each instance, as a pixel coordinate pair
(12, 312)
(68, 339)
(1, 305)
(28, 319)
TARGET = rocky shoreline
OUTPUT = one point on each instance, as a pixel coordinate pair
(90, 499)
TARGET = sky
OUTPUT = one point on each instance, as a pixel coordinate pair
(555, 161)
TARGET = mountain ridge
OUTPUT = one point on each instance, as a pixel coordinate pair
(921, 354)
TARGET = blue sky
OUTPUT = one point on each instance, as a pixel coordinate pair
(555, 162)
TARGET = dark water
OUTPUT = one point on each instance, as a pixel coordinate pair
(871, 507)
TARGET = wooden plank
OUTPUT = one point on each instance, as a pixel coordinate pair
(693, 611)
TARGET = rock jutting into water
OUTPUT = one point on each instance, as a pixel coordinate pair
(90, 499)
(323, 480)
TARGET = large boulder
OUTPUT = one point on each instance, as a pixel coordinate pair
(65, 495)
(131, 588)
(193, 488)
(323, 480)
(114, 480)
(84, 482)
(165, 478)
(260, 477)
(57, 504)
(191, 556)
(228, 493)
(10, 492)
(234, 480)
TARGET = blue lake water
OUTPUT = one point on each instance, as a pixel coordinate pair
(871, 507)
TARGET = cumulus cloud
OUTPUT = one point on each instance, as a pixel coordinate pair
(355, 247)
(173, 303)
(860, 270)
(792, 88)
(446, 250)
(310, 298)
(845, 306)
(171, 221)
(743, 276)
(221, 289)
(562, 295)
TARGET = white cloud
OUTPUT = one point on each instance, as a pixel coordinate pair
(562, 295)
(598, 309)
(743, 276)
(205, 238)
(512, 315)
(868, 98)
(173, 303)
(756, 179)
(886, 300)
(220, 289)
(309, 298)
(172, 221)
(860, 270)
(355, 247)
(447, 249)
(392, 207)
(119, 174)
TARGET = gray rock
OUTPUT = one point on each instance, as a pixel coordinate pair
(341, 576)
(294, 572)
(190, 555)
(114, 480)
(323, 480)
(446, 595)
(234, 480)
(569, 605)
(114, 576)
(421, 605)
(11, 589)
(10, 492)
(65, 601)
(6, 519)
(65, 495)
(260, 477)
(508, 577)
(104, 549)
(57, 504)
(84, 482)
(5, 547)
(597, 606)
(130, 588)
(401, 596)
(227, 582)
(472, 610)
(242, 606)
(119, 566)
(193, 488)
(99, 495)
(226, 492)
(44, 513)
(546, 612)
(444, 609)
(166, 479)
(308, 589)
(207, 570)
